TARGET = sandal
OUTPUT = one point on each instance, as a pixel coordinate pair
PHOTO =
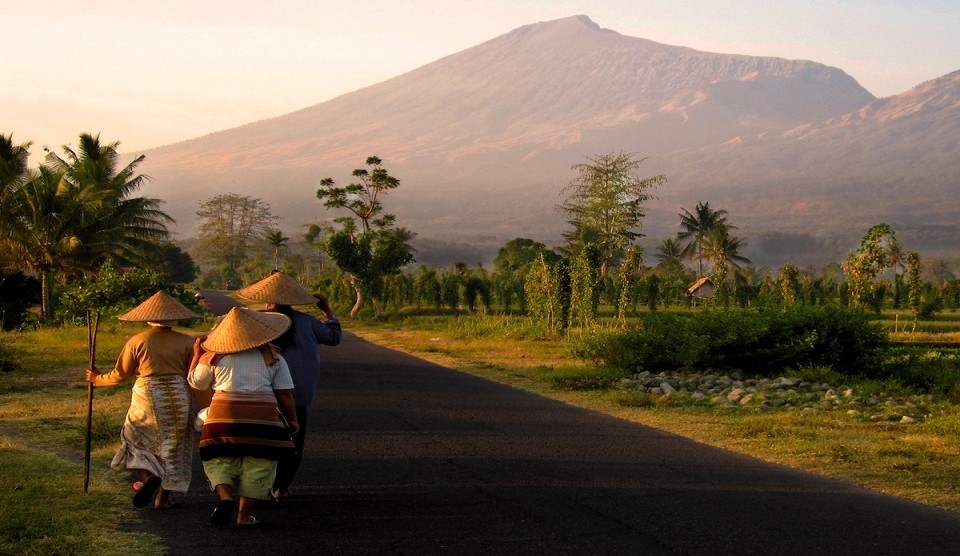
(250, 522)
(146, 492)
(167, 506)
(223, 512)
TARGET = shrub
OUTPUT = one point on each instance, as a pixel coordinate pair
(113, 292)
(766, 342)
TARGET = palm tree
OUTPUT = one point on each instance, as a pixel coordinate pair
(670, 255)
(72, 215)
(13, 174)
(723, 251)
(278, 241)
(41, 236)
(696, 227)
(127, 229)
(720, 246)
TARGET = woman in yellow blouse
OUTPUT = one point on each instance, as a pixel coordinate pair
(157, 434)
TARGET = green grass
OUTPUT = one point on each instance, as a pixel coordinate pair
(43, 408)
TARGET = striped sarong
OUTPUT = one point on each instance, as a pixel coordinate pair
(157, 435)
(244, 424)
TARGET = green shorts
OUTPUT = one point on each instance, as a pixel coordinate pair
(250, 477)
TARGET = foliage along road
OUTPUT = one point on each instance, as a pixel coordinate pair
(407, 457)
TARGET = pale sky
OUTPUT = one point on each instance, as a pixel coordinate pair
(148, 73)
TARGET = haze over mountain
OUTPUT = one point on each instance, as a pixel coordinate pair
(800, 155)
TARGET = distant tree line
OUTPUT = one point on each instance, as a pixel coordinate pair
(77, 219)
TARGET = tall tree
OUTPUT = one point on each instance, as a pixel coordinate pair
(915, 283)
(376, 248)
(864, 265)
(605, 205)
(670, 255)
(230, 225)
(363, 198)
(127, 229)
(278, 242)
(696, 226)
(74, 213)
(13, 175)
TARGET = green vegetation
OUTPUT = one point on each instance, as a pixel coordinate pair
(853, 374)
(43, 509)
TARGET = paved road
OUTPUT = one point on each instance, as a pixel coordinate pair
(218, 302)
(406, 457)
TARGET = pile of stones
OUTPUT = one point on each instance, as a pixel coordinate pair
(731, 390)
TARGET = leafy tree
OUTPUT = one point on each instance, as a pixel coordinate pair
(629, 273)
(114, 292)
(377, 248)
(865, 264)
(177, 264)
(605, 206)
(316, 236)
(584, 285)
(363, 198)
(229, 227)
(697, 226)
(543, 290)
(511, 265)
(426, 287)
(789, 284)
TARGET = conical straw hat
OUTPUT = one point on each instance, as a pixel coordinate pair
(242, 329)
(159, 307)
(280, 289)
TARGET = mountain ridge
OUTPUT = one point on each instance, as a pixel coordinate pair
(483, 139)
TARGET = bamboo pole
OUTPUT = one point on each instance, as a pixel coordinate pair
(92, 327)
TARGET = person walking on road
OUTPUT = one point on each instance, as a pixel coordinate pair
(300, 348)
(156, 440)
(251, 416)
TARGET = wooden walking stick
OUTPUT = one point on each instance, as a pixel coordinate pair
(92, 327)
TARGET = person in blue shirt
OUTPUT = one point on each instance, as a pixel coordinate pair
(300, 348)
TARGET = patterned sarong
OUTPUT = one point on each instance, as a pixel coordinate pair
(156, 434)
(244, 424)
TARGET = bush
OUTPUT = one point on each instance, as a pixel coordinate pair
(764, 342)
(113, 292)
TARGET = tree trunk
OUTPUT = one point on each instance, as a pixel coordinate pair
(358, 303)
(45, 279)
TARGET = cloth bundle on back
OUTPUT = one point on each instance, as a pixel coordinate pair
(300, 348)
(157, 437)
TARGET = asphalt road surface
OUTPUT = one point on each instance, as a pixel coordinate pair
(407, 457)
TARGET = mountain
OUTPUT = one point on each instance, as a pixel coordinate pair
(483, 141)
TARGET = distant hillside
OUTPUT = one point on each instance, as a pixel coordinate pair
(483, 141)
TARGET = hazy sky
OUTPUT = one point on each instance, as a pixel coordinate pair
(149, 73)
